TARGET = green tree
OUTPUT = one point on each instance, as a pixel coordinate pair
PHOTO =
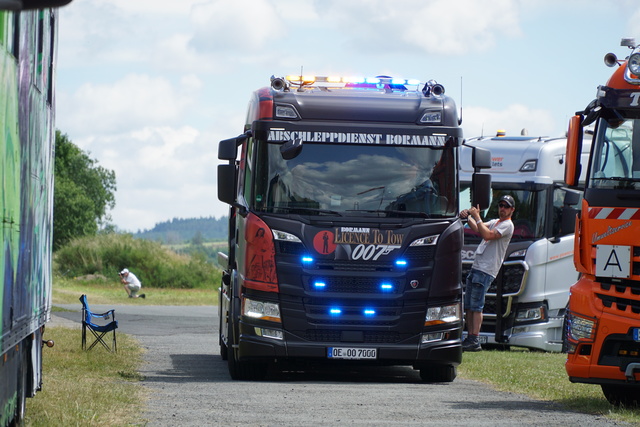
(83, 193)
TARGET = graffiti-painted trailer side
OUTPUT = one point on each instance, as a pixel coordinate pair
(27, 56)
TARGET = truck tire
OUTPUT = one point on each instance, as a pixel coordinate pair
(224, 352)
(622, 395)
(21, 404)
(243, 370)
(438, 373)
(565, 330)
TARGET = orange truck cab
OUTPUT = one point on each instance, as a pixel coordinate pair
(602, 322)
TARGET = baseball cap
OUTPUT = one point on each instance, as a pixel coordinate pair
(124, 271)
(508, 199)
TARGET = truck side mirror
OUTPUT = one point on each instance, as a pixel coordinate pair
(290, 149)
(480, 182)
(227, 183)
(572, 166)
(481, 158)
(227, 149)
(571, 197)
(481, 190)
(568, 219)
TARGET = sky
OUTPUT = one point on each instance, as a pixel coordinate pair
(149, 87)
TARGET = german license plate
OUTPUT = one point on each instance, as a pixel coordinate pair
(352, 353)
(636, 334)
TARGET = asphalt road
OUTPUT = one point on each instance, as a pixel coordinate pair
(190, 385)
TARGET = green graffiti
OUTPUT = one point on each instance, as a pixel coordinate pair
(9, 165)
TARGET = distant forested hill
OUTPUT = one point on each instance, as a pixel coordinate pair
(180, 230)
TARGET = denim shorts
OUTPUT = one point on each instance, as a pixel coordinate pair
(477, 285)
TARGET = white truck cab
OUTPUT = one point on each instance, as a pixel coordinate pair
(525, 304)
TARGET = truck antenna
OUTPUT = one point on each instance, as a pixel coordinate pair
(460, 118)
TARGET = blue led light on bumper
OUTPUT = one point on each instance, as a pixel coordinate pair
(386, 287)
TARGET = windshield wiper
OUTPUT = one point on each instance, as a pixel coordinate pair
(390, 213)
(303, 210)
(618, 178)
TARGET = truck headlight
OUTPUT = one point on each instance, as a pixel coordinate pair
(580, 327)
(530, 314)
(261, 310)
(443, 314)
(634, 64)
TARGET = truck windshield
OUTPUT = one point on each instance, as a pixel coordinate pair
(345, 179)
(616, 155)
(529, 218)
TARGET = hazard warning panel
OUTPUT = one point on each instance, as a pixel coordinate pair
(613, 261)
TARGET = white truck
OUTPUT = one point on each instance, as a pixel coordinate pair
(525, 304)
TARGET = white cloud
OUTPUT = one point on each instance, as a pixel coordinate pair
(131, 102)
(240, 26)
(633, 23)
(161, 173)
(441, 27)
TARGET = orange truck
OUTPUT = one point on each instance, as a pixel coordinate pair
(602, 322)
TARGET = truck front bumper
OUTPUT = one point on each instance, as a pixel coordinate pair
(410, 352)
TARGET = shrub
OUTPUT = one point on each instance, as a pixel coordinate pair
(155, 265)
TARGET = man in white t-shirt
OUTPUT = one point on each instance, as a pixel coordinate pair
(496, 235)
(131, 284)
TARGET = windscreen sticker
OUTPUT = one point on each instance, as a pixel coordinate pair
(358, 138)
(323, 242)
(366, 244)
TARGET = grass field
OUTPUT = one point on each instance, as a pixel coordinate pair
(541, 376)
(88, 388)
(67, 291)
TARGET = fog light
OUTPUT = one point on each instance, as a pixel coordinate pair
(269, 333)
(432, 337)
(520, 330)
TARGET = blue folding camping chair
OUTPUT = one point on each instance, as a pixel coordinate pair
(107, 323)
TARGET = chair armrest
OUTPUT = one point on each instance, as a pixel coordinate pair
(105, 315)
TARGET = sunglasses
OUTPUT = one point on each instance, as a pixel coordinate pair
(503, 205)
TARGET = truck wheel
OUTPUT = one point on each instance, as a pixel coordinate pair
(243, 370)
(224, 352)
(622, 395)
(438, 373)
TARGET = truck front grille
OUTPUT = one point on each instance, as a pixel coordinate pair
(369, 337)
(619, 350)
(620, 304)
(353, 285)
(511, 277)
